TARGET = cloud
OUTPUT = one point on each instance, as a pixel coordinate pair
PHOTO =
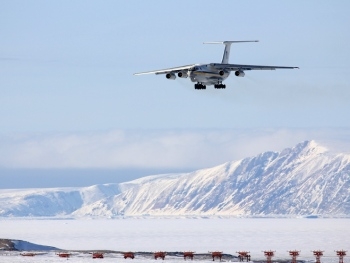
(155, 148)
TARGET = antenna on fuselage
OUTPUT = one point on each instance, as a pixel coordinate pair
(227, 44)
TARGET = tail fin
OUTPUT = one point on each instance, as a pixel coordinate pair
(227, 44)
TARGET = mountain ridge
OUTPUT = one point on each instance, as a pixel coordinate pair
(302, 180)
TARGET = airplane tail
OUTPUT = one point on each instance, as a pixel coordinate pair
(227, 44)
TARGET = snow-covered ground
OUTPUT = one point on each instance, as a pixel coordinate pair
(199, 235)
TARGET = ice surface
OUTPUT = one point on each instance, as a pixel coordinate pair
(199, 235)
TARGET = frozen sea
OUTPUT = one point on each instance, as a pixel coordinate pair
(179, 234)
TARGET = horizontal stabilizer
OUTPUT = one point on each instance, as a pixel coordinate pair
(229, 42)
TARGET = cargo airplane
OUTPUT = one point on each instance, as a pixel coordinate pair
(213, 73)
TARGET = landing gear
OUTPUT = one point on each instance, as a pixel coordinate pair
(199, 86)
(220, 86)
(217, 86)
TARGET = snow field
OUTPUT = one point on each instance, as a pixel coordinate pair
(199, 235)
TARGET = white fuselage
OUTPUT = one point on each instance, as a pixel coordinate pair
(206, 74)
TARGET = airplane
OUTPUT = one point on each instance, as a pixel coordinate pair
(213, 73)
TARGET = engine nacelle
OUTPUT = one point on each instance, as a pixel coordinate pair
(221, 73)
(170, 76)
(182, 74)
(239, 74)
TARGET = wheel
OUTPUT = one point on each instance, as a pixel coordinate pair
(219, 86)
(199, 86)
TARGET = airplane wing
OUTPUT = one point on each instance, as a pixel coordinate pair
(234, 67)
(167, 70)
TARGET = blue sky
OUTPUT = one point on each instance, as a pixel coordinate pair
(68, 90)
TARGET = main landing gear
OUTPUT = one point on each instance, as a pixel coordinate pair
(199, 86)
(220, 86)
(217, 86)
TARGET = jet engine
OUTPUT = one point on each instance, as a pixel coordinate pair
(221, 73)
(182, 74)
(239, 73)
(170, 76)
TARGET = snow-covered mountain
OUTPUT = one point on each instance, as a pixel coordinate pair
(306, 179)
(50, 202)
